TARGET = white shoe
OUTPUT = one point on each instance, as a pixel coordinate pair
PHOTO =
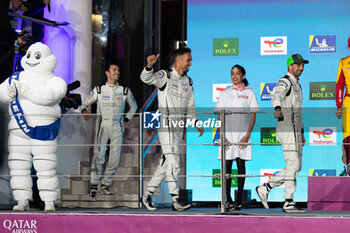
(263, 194)
(291, 207)
(105, 190)
(180, 205)
(49, 206)
(22, 206)
(146, 200)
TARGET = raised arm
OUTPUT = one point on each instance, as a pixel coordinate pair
(158, 79)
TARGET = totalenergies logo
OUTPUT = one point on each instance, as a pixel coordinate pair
(324, 134)
(270, 175)
(275, 43)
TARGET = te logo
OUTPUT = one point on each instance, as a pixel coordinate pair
(271, 174)
(276, 43)
(325, 133)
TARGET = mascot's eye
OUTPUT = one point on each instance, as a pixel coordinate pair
(37, 55)
(28, 55)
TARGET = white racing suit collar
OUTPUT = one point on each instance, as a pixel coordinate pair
(174, 73)
(112, 86)
(294, 78)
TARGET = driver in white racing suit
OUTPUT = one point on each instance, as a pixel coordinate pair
(287, 101)
(111, 99)
(175, 100)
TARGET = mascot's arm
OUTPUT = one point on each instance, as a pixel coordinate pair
(7, 92)
(51, 94)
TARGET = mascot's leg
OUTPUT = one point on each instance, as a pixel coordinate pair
(20, 162)
(45, 162)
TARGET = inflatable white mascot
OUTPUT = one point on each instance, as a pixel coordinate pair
(33, 96)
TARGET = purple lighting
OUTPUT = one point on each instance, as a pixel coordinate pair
(61, 41)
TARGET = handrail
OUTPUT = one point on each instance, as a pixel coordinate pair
(152, 141)
(39, 21)
(149, 101)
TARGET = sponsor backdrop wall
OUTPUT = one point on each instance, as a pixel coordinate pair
(260, 35)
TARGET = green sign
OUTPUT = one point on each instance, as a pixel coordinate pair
(323, 90)
(268, 136)
(217, 181)
(225, 47)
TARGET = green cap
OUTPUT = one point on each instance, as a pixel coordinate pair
(296, 59)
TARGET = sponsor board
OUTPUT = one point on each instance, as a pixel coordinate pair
(226, 47)
(273, 45)
(217, 181)
(323, 172)
(322, 44)
(266, 91)
(319, 136)
(323, 90)
(268, 136)
(267, 174)
(217, 89)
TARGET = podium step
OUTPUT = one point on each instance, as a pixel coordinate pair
(102, 201)
(83, 187)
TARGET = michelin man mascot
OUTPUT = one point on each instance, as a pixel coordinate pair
(33, 96)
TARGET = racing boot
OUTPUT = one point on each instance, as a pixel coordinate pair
(105, 190)
(93, 193)
(180, 205)
(291, 207)
(263, 192)
(146, 200)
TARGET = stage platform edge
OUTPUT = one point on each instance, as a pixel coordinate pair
(176, 223)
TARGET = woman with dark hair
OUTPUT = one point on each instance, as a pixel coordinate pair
(238, 127)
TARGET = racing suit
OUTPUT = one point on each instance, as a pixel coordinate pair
(175, 101)
(109, 126)
(343, 80)
(288, 97)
